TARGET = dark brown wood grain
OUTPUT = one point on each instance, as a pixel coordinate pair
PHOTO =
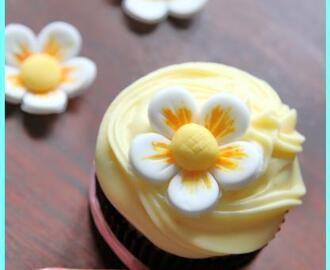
(49, 158)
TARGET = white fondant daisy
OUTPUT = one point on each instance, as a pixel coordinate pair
(154, 11)
(43, 71)
(198, 154)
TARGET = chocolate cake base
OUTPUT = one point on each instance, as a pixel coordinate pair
(150, 256)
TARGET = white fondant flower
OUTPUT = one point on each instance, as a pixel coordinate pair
(42, 72)
(154, 11)
(197, 153)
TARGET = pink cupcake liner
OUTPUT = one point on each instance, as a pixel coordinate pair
(108, 235)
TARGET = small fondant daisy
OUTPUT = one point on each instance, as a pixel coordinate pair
(197, 154)
(154, 11)
(42, 72)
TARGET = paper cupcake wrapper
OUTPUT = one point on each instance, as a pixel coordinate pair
(109, 237)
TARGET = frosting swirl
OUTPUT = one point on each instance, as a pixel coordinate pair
(246, 219)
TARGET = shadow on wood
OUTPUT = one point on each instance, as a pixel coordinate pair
(39, 126)
(11, 109)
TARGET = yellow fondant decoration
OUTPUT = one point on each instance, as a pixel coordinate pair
(194, 148)
(40, 73)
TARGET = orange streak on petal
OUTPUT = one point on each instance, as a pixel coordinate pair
(163, 152)
(228, 157)
(52, 48)
(193, 179)
(66, 70)
(220, 122)
(178, 118)
(15, 80)
(23, 54)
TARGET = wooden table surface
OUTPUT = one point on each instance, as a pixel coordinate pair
(49, 158)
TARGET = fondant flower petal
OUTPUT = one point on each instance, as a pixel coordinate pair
(60, 39)
(170, 109)
(146, 11)
(238, 164)
(151, 158)
(50, 103)
(193, 192)
(78, 74)
(14, 90)
(226, 116)
(20, 43)
(184, 9)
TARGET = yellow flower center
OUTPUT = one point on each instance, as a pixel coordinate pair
(194, 148)
(40, 73)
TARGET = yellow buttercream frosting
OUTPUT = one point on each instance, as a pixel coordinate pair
(242, 221)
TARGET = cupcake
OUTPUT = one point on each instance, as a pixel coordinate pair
(196, 168)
